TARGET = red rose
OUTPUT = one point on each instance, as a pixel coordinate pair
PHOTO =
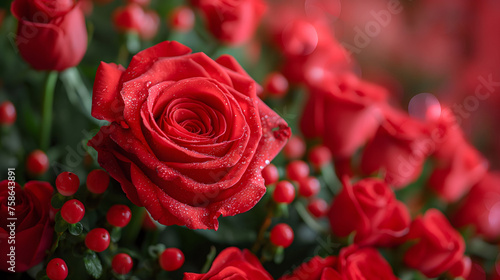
(346, 113)
(459, 165)
(372, 212)
(398, 149)
(438, 245)
(188, 136)
(357, 263)
(51, 35)
(232, 263)
(315, 269)
(232, 21)
(353, 263)
(33, 226)
(133, 18)
(481, 208)
(312, 53)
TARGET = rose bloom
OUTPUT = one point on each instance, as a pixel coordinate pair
(438, 245)
(133, 18)
(304, 36)
(481, 208)
(459, 165)
(233, 263)
(33, 227)
(188, 136)
(315, 269)
(353, 263)
(51, 35)
(360, 263)
(232, 22)
(346, 112)
(398, 149)
(373, 212)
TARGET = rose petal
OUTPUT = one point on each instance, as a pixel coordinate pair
(106, 100)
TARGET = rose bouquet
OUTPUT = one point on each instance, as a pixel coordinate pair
(249, 139)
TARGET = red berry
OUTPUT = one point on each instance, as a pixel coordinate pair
(97, 240)
(270, 174)
(319, 156)
(67, 183)
(57, 269)
(122, 263)
(284, 192)
(182, 19)
(72, 211)
(171, 259)
(7, 113)
(276, 84)
(295, 148)
(97, 181)
(318, 207)
(309, 186)
(282, 235)
(37, 163)
(297, 170)
(119, 215)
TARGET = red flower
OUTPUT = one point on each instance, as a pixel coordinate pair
(232, 21)
(346, 112)
(188, 136)
(357, 263)
(459, 165)
(372, 211)
(353, 263)
(133, 18)
(439, 246)
(315, 269)
(232, 263)
(51, 35)
(33, 227)
(398, 149)
(481, 208)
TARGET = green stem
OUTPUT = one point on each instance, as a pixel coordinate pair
(132, 230)
(262, 231)
(306, 217)
(123, 54)
(47, 104)
(54, 245)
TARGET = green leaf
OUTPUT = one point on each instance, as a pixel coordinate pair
(58, 200)
(93, 264)
(116, 234)
(75, 229)
(61, 225)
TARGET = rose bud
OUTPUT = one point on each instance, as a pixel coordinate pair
(398, 149)
(363, 263)
(51, 35)
(346, 113)
(481, 208)
(233, 23)
(236, 263)
(375, 215)
(459, 165)
(33, 227)
(438, 245)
